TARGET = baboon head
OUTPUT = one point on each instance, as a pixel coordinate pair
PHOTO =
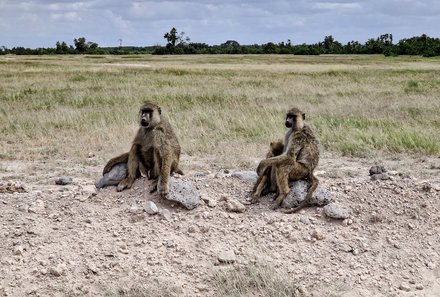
(276, 147)
(149, 115)
(295, 119)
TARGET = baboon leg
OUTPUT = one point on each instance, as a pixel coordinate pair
(132, 166)
(165, 171)
(116, 160)
(144, 172)
(175, 168)
(306, 201)
(282, 177)
(258, 188)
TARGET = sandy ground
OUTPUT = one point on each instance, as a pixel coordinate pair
(71, 240)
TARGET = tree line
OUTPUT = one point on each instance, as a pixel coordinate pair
(179, 44)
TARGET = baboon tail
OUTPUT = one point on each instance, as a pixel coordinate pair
(116, 160)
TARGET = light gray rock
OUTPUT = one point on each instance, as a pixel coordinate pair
(165, 214)
(183, 192)
(298, 192)
(336, 211)
(37, 207)
(18, 250)
(246, 176)
(227, 257)
(234, 205)
(151, 208)
(57, 270)
(113, 177)
(380, 176)
(64, 180)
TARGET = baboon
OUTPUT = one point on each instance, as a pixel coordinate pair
(266, 182)
(298, 160)
(155, 151)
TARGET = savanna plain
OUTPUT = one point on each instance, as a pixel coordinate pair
(67, 115)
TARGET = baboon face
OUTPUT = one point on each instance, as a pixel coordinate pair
(149, 115)
(295, 119)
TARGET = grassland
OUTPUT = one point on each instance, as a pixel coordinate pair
(224, 107)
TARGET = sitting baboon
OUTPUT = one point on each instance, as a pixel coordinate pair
(298, 160)
(266, 182)
(155, 151)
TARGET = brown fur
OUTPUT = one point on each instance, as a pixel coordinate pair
(265, 182)
(155, 151)
(298, 161)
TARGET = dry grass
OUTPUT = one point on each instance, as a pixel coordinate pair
(225, 107)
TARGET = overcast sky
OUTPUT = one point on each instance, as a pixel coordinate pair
(41, 23)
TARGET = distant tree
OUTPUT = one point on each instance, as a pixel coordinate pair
(61, 48)
(230, 43)
(270, 48)
(80, 44)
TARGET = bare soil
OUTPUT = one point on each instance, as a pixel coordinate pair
(73, 240)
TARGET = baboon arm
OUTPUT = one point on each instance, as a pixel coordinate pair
(274, 161)
(165, 170)
(133, 162)
(116, 160)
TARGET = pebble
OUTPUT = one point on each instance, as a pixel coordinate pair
(233, 205)
(317, 234)
(305, 220)
(165, 214)
(405, 287)
(18, 250)
(37, 207)
(64, 180)
(151, 208)
(336, 211)
(419, 287)
(57, 270)
(227, 257)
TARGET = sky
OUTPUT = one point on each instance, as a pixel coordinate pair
(41, 23)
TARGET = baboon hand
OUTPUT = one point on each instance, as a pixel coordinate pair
(261, 168)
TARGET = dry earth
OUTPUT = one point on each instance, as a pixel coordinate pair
(72, 240)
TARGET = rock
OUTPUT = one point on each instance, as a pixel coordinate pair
(336, 211)
(57, 270)
(405, 287)
(234, 205)
(305, 220)
(377, 169)
(12, 188)
(113, 177)
(183, 192)
(227, 257)
(246, 176)
(18, 250)
(380, 176)
(298, 191)
(419, 287)
(151, 208)
(37, 207)
(317, 234)
(165, 214)
(64, 180)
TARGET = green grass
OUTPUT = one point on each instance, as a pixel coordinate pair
(225, 107)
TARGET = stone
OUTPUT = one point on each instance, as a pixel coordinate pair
(113, 177)
(233, 205)
(227, 257)
(335, 211)
(377, 169)
(151, 208)
(246, 176)
(298, 192)
(18, 250)
(305, 220)
(405, 287)
(37, 207)
(64, 180)
(183, 192)
(165, 214)
(380, 176)
(57, 270)
(317, 234)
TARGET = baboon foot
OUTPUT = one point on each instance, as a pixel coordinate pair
(164, 195)
(124, 184)
(153, 187)
(254, 199)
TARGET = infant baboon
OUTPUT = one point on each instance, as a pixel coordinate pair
(266, 182)
(155, 151)
(298, 160)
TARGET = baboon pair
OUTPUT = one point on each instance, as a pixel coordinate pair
(155, 153)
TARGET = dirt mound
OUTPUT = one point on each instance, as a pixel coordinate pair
(74, 240)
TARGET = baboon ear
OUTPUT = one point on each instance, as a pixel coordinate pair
(160, 111)
(304, 116)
